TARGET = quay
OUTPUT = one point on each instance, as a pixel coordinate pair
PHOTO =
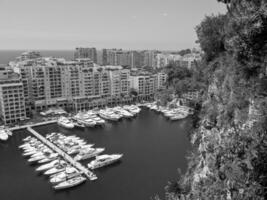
(90, 175)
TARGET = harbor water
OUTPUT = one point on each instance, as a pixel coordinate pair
(153, 147)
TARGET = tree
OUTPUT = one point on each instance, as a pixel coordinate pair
(211, 35)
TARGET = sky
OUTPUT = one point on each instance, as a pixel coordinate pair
(127, 24)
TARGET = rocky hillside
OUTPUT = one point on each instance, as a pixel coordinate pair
(229, 160)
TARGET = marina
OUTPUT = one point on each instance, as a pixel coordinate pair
(76, 164)
(140, 140)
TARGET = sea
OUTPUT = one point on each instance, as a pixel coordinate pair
(10, 55)
(153, 149)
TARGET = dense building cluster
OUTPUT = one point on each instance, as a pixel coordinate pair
(136, 59)
(35, 83)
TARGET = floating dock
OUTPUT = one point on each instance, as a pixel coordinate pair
(90, 175)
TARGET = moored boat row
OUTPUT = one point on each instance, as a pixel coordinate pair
(94, 118)
(180, 112)
(62, 174)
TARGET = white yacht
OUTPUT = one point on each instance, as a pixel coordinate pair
(104, 160)
(49, 158)
(123, 112)
(178, 116)
(70, 183)
(88, 153)
(3, 135)
(58, 168)
(69, 173)
(65, 122)
(50, 165)
(109, 115)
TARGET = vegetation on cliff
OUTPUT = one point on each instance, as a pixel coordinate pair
(229, 160)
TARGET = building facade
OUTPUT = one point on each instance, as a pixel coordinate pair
(90, 53)
(12, 102)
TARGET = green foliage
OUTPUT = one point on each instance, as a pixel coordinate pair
(229, 160)
(184, 52)
(211, 35)
(183, 80)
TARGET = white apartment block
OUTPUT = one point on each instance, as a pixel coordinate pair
(53, 82)
(160, 80)
(162, 60)
(144, 85)
(12, 103)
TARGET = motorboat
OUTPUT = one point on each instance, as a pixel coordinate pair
(109, 115)
(69, 173)
(3, 135)
(123, 112)
(88, 153)
(58, 168)
(104, 160)
(70, 183)
(65, 122)
(49, 158)
(50, 165)
(77, 148)
(78, 124)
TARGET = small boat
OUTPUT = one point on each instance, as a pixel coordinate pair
(36, 158)
(104, 160)
(27, 139)
(65, 122)
(3, 135)
(70, 183)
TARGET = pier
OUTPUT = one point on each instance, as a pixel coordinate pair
(32, 125)
(90, 175)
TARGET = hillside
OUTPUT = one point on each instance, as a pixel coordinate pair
(229, 160)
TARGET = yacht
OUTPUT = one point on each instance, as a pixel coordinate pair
(65, 122)
(88, 153)
(70, 183)
(178, 116)
(49, 158)
(69, 173)
(104, 160)
(109, 115)
(43, 156)
(58, 168)
(78, 124)
(50, 165)
(3, 135)
(28, 138)
(123, 112)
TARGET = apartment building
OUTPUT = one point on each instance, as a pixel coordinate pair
(190, 60)
(164, 59)
(160, 80)
(50, 82)
(90, 53)
(12, 102)
(143, 85)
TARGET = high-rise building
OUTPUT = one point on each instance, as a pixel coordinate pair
(12, 102)
(50, 82)
(163, 59)
(149, 58)
(90, 53)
